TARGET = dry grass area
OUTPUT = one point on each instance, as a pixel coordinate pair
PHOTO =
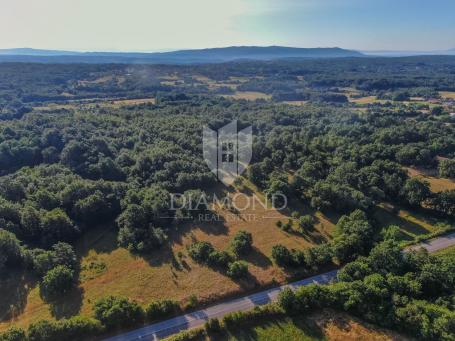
(447, 94)
(249, 95)
(298, 103)
(412, 223)
(327, 325)
(134, 101)
(340, 327)
(169, 272)
(436, 184)
(363, 100)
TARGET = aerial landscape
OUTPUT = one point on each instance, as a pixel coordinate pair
(265, 179)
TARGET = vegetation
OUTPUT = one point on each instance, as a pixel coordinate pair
(85, 148)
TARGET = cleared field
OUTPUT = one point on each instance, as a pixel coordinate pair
(134, 101)
(249, 95)
(447, 94)
(298, 103)
(326, 325)
(412, 224)
(363, 100)
(168, 272)
(436, 184)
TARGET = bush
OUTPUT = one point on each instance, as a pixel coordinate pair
(57, 281)
(219, 259)
(10, 249)
(118, 312)
(42, 331)
(75, 328)
(200, 251)
(160, 309)
(213, 326)
(237, 269)
(281, 255)
(306, 222)
(13, 334)
(242, 243)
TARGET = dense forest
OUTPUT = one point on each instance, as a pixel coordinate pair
(66, 170)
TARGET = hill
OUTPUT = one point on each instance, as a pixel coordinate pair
(211, 55)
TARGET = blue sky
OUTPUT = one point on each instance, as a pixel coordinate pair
(151, 25)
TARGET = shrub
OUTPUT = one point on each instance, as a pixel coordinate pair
(42, 331)
(281, 255)
(213, 326)
(295, 215)
(287, 300)
(57, 281)
(219, 258)
(306, 222)
(242, 243)
(13, 334)
(200, 251)
(117, 311)
(10, 249)
(75, 328)
(160, 309)
(237, 269)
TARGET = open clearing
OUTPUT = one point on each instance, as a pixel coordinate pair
(249, 95)
(169, 272)
(412, 224)
(436, 184)
(447, 94)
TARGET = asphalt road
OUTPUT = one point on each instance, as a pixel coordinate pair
(166, 328)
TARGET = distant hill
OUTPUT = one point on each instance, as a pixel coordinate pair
(393, 53)
(212, 55)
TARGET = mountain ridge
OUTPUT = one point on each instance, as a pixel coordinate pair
(208, 55)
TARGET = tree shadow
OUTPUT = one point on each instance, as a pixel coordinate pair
(249, 332)
(68, 305)
(15, 286)
(257, 258)
(101, 239)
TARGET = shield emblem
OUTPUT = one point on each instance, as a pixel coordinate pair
(227, 151)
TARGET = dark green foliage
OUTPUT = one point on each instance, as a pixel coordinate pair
(213, 325)
(13, 334)
(160, 309)
(10, 249)
(415, 192)
(388, 288)
(447, 168)
(72, 329)
(56, 282)
(200, 251)
(306, 222)
(242, 242)
(115, 312)
(237, 269)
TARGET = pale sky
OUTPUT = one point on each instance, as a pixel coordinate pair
(153, 25)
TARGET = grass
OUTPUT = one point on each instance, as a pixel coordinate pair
(447, 94)
(249, 95)
(411, 223)
(437, 184)
(450, 251)
(109, 270)
(325, 325)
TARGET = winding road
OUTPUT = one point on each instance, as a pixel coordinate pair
(166, 328)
